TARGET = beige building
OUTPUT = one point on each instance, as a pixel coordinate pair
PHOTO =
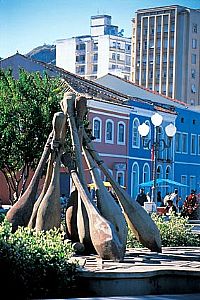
(104, 51)
(166, 51)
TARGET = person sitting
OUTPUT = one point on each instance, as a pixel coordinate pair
(141, 197)
(190, 205)
(170, 208)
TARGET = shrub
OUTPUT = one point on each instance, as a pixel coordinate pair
(174, 232)
(35, 264)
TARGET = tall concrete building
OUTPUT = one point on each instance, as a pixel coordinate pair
(166, 51)
(104, 51)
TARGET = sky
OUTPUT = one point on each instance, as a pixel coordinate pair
(26, 24)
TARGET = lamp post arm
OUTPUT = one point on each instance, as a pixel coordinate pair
(145, 143)
(164, 144)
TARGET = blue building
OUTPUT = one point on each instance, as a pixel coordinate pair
(181, 161)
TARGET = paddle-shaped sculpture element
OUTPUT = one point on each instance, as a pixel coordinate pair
(49, 172)
(102, 232)
(108, 207)
(49, 211)
(21, 211)
(137, 218)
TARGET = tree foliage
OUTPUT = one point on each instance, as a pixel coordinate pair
(27, 106)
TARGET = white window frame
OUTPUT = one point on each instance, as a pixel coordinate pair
(195, 144)
(134, 185)
(178, 133)
(146, 172)
(118, 132)
(107, 141)
(198, 144)
(148, 137)
(186, 135)
(123, 177)
(135, 131)
(100, 129)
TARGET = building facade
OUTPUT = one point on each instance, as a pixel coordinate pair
(166, 51)
(104, 51)
(116, 109)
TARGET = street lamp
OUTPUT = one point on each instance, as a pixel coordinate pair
(158, 144)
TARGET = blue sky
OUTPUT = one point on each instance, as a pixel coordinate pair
(26, 24)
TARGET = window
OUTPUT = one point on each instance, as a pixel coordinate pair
(95, 57)
(109, 136)
(193, 73)
(135, 136)
(113, 56)
(82, 47)
(193, 144)
(198, 144)
(95, 46)
(82, 59)
(121, 133)
(148, 137)
(134, 180)
(128, 47)
(146, 173)
(120, 177)
(184, 142)
(193, 182)
(194, 28)
(194, 44)
(94, 68)
(194, 59)
(178, 142)
(97, 124)
(118, 56)
(193, 88)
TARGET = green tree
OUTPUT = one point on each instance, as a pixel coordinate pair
(27, 106)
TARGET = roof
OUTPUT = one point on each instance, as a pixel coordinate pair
(138, 92)
(108, 88)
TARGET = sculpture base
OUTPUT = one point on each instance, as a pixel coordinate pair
(176, 270)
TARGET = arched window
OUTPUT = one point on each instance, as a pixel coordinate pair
(121, 133)
(159, 172)
(96, 130)
(168, 176)
(134, 180)
(135, 134)
(146, 173)
(148, 137)
(109, 134)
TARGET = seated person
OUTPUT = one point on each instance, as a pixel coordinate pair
(170, 208)
(190, 205)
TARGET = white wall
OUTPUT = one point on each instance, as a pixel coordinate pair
(65, 54)
(103, 55)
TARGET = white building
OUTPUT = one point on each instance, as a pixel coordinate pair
(104, 51)
(166, 51)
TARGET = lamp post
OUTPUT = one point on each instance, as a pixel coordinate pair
(157, 144)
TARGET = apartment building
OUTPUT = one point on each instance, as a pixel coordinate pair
(166, 51)
(104, 51)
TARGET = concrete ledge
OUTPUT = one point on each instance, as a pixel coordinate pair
(176, 270)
